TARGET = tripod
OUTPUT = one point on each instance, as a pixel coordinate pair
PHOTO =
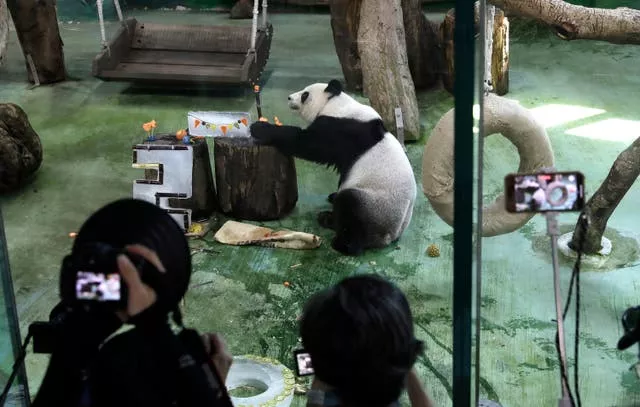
(553, 232)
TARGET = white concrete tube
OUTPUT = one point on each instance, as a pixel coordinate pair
(261, 372)
(502, 116)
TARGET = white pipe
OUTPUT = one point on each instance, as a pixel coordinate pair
(264, 13)
(254, 25)
(489, 16)
(118, 9)
(101, 20)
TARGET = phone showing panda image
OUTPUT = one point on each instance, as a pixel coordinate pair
(544, 192)
(302, 360)
(100, 287)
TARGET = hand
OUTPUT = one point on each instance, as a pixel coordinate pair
(262, 132)
(140, 296)
(220, 356)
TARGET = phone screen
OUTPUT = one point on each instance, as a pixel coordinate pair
(303, 363)
(545, 192)
(100, 287)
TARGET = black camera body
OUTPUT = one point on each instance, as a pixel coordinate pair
(90, 276)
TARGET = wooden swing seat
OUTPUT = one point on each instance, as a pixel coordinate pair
(186, 54)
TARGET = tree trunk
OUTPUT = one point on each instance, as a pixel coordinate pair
(500, 54)
(386, 77)
(4, 29)
(423, 45)
(345, 19)
(36, 24)
(623, 174)
(254, 182)
(446, 39)
(571, 22)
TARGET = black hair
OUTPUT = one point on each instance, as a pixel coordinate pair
(360, 336)
(131, 221)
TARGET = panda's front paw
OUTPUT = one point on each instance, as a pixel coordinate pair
(262, 132)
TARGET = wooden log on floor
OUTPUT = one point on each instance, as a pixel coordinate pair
(500, 54)
(4, 29)
(254, 182)
(203, 202)
(386, 77)
(36, 24)
(345, 19)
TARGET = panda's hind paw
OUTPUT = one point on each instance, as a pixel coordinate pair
(325, 219)
(346, 248)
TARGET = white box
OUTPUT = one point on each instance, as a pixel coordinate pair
(219, 124)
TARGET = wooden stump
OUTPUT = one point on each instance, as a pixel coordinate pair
(345, 19)
(446, 39)
(386, 77)
(500, 54)
(254, 182)
(20, 148)
(36, 24)
(4, 29)
(203, 197)
(423, 45)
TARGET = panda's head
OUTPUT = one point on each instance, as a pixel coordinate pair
(312, 100)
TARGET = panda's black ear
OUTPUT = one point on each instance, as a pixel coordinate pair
(334, 87)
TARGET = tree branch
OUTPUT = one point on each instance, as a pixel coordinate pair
(622, 175)
(571, 22)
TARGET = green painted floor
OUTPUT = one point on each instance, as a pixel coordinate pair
(87, 129)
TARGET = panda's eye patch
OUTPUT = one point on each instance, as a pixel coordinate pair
(304, 96)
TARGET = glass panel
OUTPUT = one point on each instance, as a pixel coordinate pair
(252, 295)
(10, 340)
(570, 104)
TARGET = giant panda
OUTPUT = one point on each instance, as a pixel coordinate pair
(377, 188)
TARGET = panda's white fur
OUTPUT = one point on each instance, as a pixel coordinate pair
(379, 181)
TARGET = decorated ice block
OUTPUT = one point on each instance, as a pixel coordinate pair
(219, 124)
(168, 174)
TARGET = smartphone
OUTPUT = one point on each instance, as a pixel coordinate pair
(544, 192)
(302, 360)
(99, 287)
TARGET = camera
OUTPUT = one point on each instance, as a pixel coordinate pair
(90, 276)
(303, 363)
(544, 192)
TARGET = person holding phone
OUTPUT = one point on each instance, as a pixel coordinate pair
(360, 338)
